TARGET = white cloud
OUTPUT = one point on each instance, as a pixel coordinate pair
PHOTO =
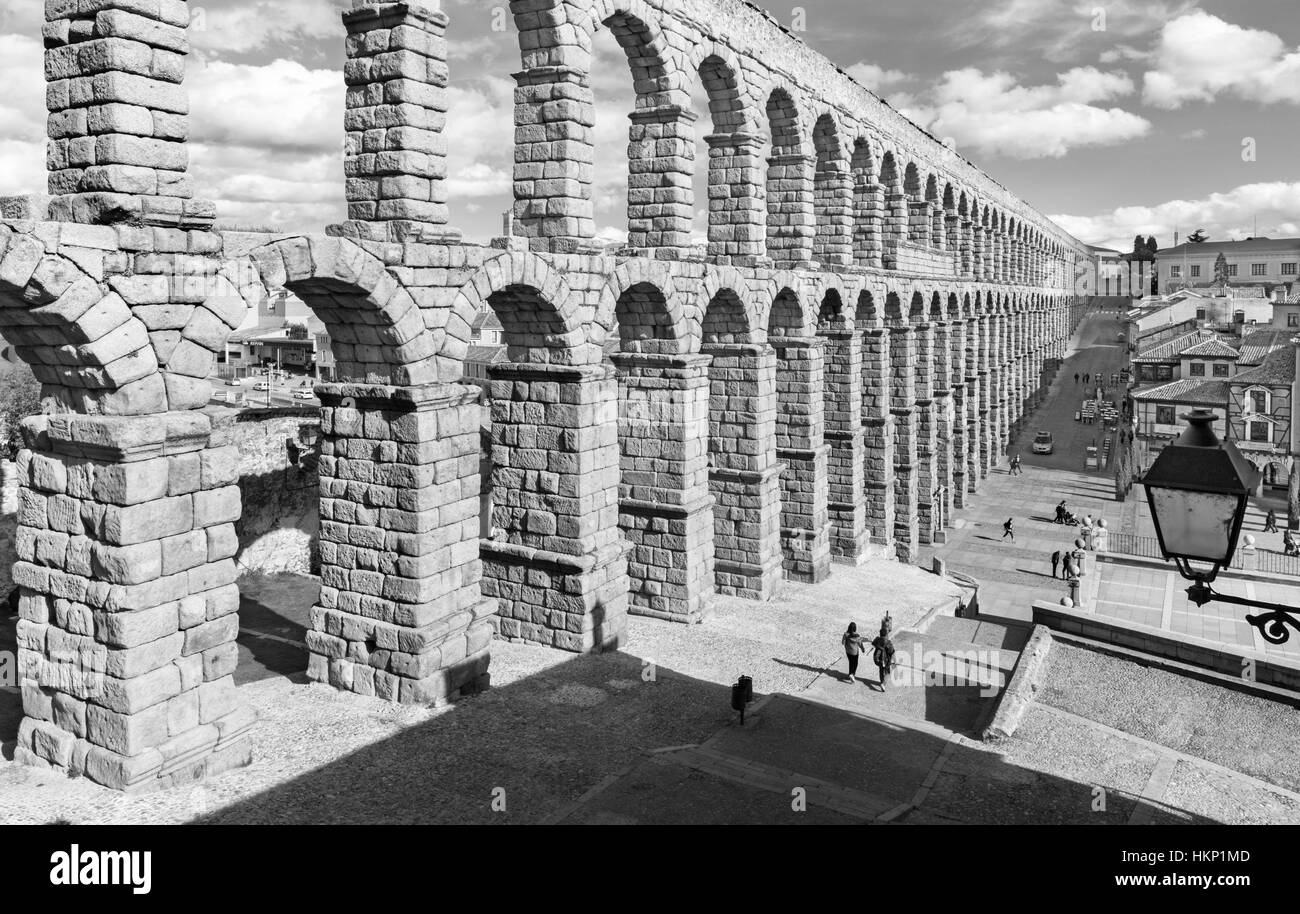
(1199, 56)
(994, 115)
(1060, 30)
(1223, 216)
(248, 27)
(22, 116)
(876, 78)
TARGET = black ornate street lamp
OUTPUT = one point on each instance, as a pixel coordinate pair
(1197, 489)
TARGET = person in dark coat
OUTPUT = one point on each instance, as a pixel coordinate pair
(883, 654)
(1007, 531)
(1056, 560)
(1270, 522)
(853, 647)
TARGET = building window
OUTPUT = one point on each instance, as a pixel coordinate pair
(1220, 369)
(1175, 271)
(1288, 269)
(1232, 269)
(1164, 415)
(1196, 369)
(1164, 372)
(1200, 314)
(1258, 401)
(1259, 269)
(1196, 270)
(1293, 319)
(1259, 431)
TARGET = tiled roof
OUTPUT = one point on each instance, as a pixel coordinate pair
(490, 355)
(1252, 246)
(1277, 369)
(1256, 346)
(1196, 391)
(1212, 348)
(1170, 349)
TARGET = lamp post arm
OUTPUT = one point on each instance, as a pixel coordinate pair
(1271, 624)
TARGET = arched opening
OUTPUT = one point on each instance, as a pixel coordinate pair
(891, 180)
(733, 215)
(868, 206)
(743, 468)
(800, 359)
(832, 196)
(918, 222)
(663, 489)
(639, 176)
(551, 559)
(790, 221)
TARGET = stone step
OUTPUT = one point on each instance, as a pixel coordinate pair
(984, 632)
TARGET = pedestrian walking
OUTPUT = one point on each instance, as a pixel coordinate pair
(1270, 522)
(1015, 465)
(883, 654)
(1056, 560)
(1007, 531)
(853, 645)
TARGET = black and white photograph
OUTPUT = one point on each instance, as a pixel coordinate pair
(651, 412)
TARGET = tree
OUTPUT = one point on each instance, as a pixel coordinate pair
(1221, 270)
(20, 397)
(1152, 247)
(1139, 248)
(1198, 237)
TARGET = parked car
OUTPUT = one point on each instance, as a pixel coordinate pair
(1043, 443)
(304, 393)
(261, 385)
(234, 382)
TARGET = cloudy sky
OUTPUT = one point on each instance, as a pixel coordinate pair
(1112, 117)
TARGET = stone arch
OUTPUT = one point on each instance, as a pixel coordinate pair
(535, 306)
(647, 289)
(787, 317)
(726, 309)
(832, 194)
(867, 311)
(95, 353)
(790, 219)
(723, 81)
(832, 314)
(917, 309)
(376, 330)
(894, 313)
(868, 205)
(736, 193)
(633, 23)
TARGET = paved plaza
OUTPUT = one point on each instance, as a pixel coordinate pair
(1015, 573)
(646, 734)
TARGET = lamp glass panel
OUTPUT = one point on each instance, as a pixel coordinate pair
(1195, 524)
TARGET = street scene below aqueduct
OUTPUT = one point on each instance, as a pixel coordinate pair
(533, 527)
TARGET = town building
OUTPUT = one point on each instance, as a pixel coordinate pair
(1264, 262)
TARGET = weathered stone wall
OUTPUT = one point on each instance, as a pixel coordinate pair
(129, 495)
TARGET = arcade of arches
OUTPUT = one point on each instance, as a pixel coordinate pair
(873, 318)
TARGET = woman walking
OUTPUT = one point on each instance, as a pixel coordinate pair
(853, 645)
(1008, 531)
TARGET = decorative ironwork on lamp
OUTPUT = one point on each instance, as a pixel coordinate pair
(1197, 489)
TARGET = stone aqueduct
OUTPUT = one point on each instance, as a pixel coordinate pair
(833, 379)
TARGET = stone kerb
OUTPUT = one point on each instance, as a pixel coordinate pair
(128, 607)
